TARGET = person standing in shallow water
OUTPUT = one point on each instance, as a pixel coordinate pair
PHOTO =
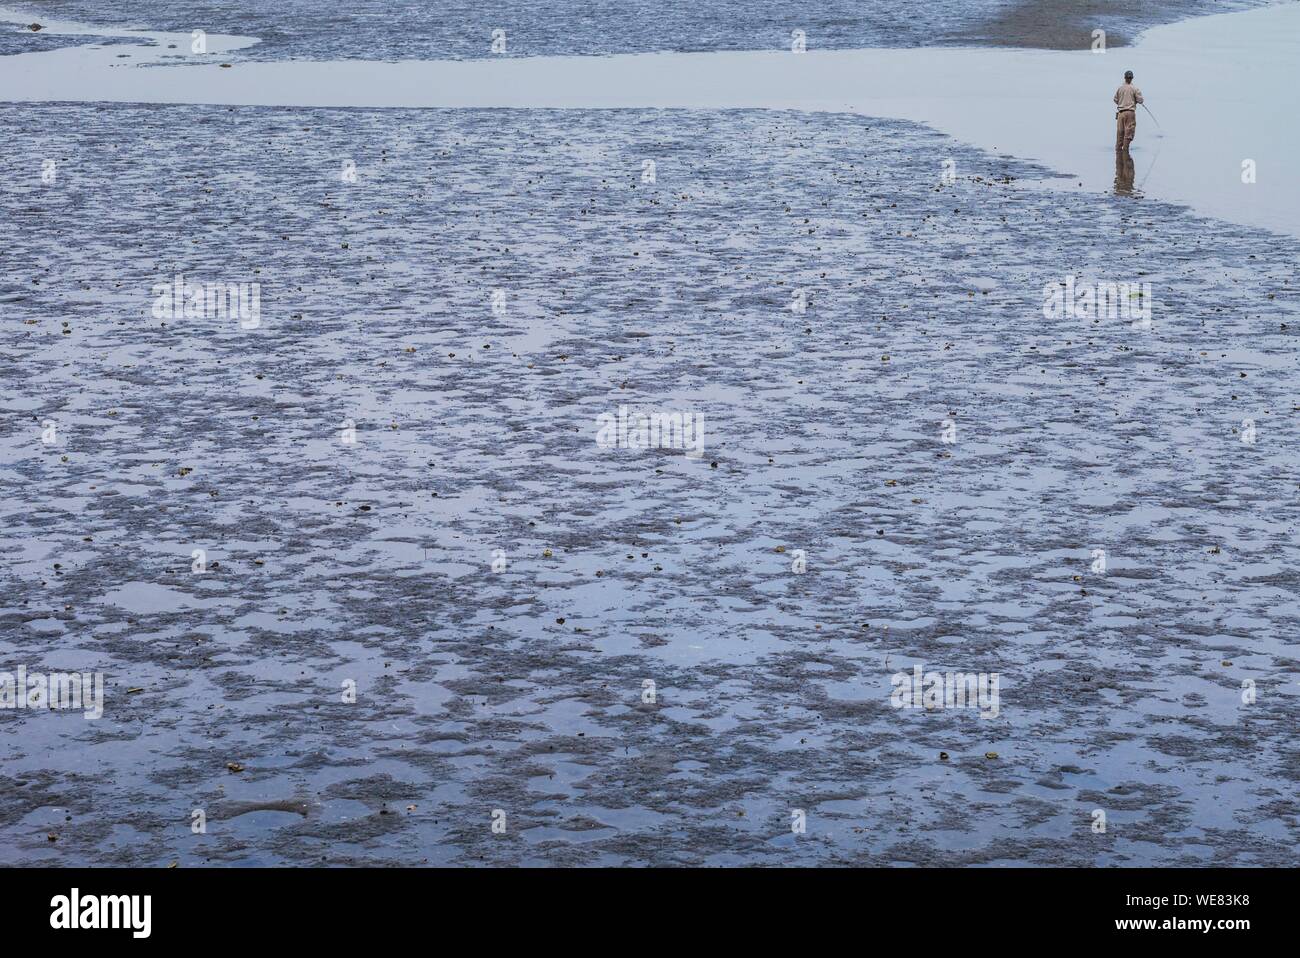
(1127, 98)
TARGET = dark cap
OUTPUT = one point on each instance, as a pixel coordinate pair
(1128, 74)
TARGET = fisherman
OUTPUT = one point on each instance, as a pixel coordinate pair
(1127, 98)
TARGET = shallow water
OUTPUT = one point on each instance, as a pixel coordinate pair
(1052, 107)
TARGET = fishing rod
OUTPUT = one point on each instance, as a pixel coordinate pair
(1160, 142)
(1152, 115)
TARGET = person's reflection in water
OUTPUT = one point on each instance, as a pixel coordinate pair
(1124, 173)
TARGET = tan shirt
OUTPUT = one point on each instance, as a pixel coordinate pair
(1127, 97)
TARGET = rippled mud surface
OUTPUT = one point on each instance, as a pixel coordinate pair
(458, 29)
(15, 40)
(1069, 24)
(524, 690)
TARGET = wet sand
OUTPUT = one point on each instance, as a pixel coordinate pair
(462, 29)
(1069, 24)
(522, 690)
